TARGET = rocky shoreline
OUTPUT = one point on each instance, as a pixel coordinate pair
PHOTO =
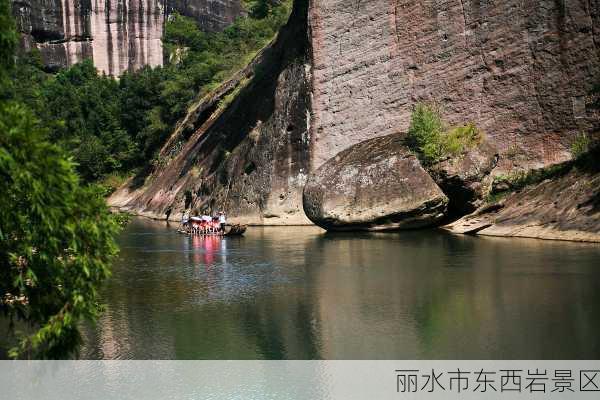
(565, 208)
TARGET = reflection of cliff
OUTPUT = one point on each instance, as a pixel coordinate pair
(118, 34)
(423, 296)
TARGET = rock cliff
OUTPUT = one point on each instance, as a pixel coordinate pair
(343, 72)
(566, 207)
(118, 35)
(212, 15)
(522, 70)
(245, 148)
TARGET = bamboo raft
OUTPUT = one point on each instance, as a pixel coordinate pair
(230, 230)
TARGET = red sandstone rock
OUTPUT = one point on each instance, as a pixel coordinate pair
(374, 185)
(522, 70)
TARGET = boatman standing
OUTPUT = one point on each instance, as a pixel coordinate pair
(222, 220)
(185, 217)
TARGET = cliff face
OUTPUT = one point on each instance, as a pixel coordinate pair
(522, 70)
(245, 148)
(212, 15)
(118, 34)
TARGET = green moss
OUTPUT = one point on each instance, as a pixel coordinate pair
(503, 185)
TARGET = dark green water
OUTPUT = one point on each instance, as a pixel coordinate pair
(297, 293)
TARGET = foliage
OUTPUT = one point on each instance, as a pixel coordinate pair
(110, 183)
(462, 137)
(8, 41)
(56, 238)
(432, 140)
(425, 132)
(580, 145)
(117, 126)
(122, 218)
(262, 8)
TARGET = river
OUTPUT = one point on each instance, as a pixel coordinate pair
(299, 293)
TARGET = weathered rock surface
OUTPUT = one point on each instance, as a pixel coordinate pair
(466, 178)
(245, 148)
(212, 15)
(564, 208)
(118, 35)
(522, 70)
(374, 185)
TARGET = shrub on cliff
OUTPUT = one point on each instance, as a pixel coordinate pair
(431, 138)
(580, 145)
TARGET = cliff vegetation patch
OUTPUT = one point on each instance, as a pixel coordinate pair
(430, 137)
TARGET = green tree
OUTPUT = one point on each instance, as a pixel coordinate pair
(115, 127)
(8, 41)
(56, 237)
(262, 8)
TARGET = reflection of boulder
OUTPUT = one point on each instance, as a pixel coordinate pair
(374, 185)
(466, 179)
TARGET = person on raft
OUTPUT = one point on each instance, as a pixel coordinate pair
(222, 220)
(185, 218)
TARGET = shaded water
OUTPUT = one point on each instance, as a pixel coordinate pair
(297, 293)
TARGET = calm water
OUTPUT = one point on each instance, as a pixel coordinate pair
(297, 293)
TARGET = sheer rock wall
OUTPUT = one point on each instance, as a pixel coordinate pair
(522, 70)
(118, 35)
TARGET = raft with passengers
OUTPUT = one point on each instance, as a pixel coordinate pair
(210, 225)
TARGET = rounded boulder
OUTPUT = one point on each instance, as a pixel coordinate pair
(374, 185)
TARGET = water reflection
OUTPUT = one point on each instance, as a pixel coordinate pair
(298, 293)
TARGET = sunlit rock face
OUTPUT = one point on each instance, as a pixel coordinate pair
(118, 35)
(375, 185)
(212, 15)
(522, 70)
(126, 34)
(248, 155)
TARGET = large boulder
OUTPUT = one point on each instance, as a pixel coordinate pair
(466, 178)
(374, 185)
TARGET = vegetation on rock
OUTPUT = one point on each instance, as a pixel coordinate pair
(517, 180)
(116, 126)
(580, 145)
(433, 140)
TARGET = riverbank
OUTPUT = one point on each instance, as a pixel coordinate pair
(565, 206)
